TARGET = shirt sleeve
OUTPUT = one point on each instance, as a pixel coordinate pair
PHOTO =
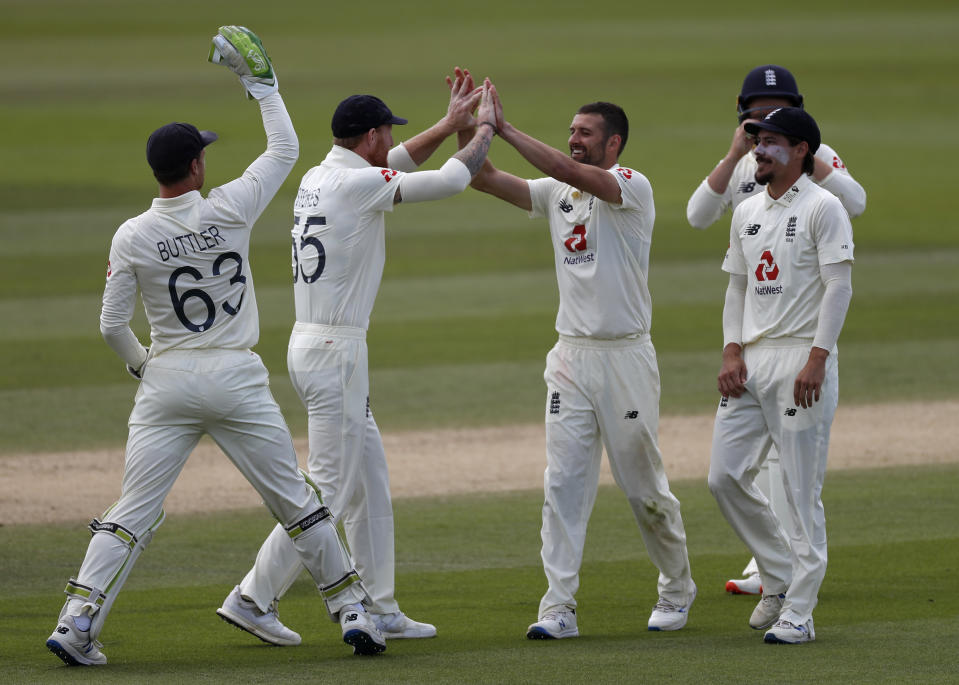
(733, 310)
(706, 206)
(636, 190)
(247, 196)
(119, 300)
(832, 232)
(841, 183)
(399, 158)
(422, 186)
(373, 188)
(539, 193)
(835, 303)
(734, 262)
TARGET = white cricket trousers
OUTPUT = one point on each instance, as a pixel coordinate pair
(225, 394)
(329, 369)
(791, 553)
(606, 393)
(769, 480)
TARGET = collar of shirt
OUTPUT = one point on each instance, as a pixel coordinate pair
(789, 197)
(178, 201)
(341, 157)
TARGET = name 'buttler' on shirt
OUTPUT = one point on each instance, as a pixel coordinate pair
(189, 243)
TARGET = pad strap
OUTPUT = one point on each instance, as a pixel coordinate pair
(125, 534)
(308, 522)
(336, 588)
(92, 595)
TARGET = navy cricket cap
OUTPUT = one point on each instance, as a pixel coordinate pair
(789, 121)
(171, 147)
(359, 113)
(770, 81)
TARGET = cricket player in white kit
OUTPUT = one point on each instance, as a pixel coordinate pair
(602, 376)
(189, 257)
(790, 265)
(764, 89)
(338, 258)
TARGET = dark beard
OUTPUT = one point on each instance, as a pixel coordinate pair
(763, 179)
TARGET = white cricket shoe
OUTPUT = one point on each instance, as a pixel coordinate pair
(669, 616)
(554, 624)
(399, 625)
(749, 585)
(361, 632)
(788, 633)
(245, 615)
(767, 611)
(74, 646)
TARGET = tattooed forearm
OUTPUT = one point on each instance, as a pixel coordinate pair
(474, 154)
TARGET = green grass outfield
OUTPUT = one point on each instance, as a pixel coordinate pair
(465, 317)
(465, 314)
(888, 608)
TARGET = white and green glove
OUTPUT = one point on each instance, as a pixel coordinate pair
(241, 51)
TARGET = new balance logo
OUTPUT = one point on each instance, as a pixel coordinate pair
(632, 415)
(789, 412)
(747, 186)
(752, 229)
(351, 617)
(63, 630)
(554, 403)
(565, 206)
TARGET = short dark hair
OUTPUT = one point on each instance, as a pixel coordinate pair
(169, 177)
(350, 143)
(614, 120)
(809, 161)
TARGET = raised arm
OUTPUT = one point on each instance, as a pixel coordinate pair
(455, 175)
(586, 177)
(464, 97)
(709, 201)
(831, 173)
(241, 51)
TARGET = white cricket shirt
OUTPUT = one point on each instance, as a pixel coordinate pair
(706, 206)
(189, 255)
(339, 239)
(779, 245)
(601, 255)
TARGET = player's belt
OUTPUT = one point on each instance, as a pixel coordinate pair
(785, 341)
(323, 329)
(604, 343)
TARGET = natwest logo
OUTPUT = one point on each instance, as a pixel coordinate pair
(577, 242)
(767, 270)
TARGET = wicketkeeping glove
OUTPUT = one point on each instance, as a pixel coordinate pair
(240, 49)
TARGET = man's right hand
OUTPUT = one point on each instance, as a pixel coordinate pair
(732, 374)
(239, 49)
(742, 143)
(463, 100)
